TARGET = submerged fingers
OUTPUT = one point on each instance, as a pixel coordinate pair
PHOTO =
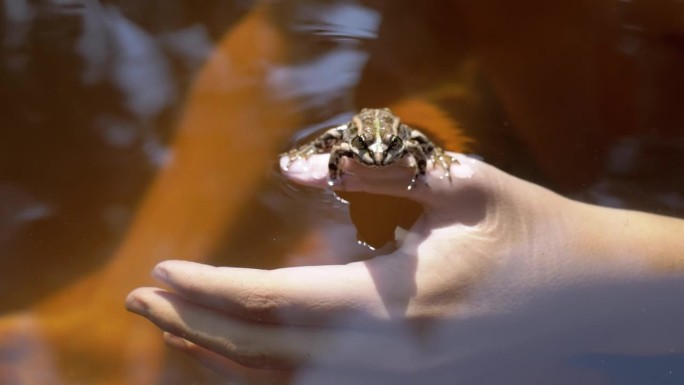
(308, 295)
(263, 345)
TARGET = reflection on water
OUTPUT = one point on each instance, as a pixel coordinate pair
(136, 131)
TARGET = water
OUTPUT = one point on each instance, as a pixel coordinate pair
(139, 131)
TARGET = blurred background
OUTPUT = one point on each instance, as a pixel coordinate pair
(137, 131)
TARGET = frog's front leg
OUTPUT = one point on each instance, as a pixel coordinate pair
(418, 153)
(320, 145)
(436, 154)
(334, 170)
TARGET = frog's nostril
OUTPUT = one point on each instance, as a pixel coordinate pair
(378, 158)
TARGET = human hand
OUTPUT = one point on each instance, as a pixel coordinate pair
(471, 277)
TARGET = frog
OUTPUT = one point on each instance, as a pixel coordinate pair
(375, 137)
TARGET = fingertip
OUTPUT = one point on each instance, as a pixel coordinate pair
(161, 272)
(297, 165)
(312, 171)
(176, 342)
(284, 161)
(136, 301)
(165, 270)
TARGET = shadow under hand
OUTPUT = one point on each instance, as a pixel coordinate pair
(377, 217)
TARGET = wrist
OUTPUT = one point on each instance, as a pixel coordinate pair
(628, 244)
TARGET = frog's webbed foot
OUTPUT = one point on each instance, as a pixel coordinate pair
(439, 157)
(414, 181)
(425, 148)
(303, 152)
(336, 182)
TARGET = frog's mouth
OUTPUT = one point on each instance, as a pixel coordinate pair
(379, 154)
(375, 160)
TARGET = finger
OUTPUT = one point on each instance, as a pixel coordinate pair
(308, 295)
(228, 369)
(308, 375)
(266, 346)
(249, 344)
(390, 180)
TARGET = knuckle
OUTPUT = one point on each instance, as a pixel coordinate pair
(262, 303)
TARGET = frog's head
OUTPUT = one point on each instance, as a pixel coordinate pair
(379, 139)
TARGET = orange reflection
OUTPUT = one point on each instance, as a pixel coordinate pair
(228, 137)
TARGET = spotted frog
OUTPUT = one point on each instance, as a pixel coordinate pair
(375, 138)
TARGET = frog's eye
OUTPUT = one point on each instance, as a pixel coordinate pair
(396, 143)
(359, 143)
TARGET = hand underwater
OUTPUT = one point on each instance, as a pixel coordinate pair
(493, 263)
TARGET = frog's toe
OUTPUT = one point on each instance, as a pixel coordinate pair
(445, 162)
(335, 182)
(290, 161)
(446, 175)
(334, 175)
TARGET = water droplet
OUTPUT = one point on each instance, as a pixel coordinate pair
(339, 199)
(362, 243)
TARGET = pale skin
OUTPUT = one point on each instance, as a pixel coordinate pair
(494, 262)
